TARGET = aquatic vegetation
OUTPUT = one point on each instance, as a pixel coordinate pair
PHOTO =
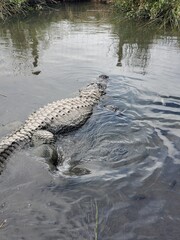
(166, 12)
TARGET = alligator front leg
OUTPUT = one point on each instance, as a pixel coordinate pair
(42, 137)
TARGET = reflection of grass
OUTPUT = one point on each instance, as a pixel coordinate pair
(96, 221)
(2, 224)
(29, 36)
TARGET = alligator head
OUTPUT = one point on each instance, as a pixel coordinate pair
(102, 83)
(96, 89)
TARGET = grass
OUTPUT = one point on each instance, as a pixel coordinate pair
(97, 221)
(3, 223)
(12, 7)
(9, 7)
(165, 12)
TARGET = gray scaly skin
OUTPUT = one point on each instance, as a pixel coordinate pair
(56, 117)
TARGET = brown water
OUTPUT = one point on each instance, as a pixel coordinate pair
(132, 152)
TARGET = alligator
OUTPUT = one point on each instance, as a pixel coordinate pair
(55, 118)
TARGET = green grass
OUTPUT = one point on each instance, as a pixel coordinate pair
(165, 12)
(9, 7)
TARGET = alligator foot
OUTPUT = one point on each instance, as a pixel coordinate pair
(43, 142)
(48, 153)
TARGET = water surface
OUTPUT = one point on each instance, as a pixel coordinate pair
(130, 145)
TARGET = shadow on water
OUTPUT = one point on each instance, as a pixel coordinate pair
(120, 175)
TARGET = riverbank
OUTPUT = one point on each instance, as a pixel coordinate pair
(163, 12)
(12, 7)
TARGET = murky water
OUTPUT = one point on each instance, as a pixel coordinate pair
(130, 145)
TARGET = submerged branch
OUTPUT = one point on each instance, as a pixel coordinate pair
(3, 95)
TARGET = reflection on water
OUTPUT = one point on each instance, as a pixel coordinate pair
(120, 175)
(134, 45)
(28, 36)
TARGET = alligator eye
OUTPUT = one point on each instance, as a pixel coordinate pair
(52, 118)
(68, 111)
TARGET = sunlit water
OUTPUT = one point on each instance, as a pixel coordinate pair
(130, 147)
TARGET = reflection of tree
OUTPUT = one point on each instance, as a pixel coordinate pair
(28, 36)
(133, 44)
(34, 47)
(24, 41)
(135, 41)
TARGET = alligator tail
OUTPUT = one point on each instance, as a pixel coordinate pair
(10, 143)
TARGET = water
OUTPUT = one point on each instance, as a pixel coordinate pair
(130, 147)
